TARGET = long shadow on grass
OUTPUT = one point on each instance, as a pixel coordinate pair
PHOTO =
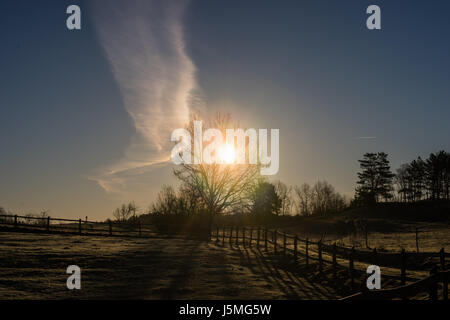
(273, 272)
(268, 270)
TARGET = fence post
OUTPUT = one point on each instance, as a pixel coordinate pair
(258, 236)
(79, 226)
(445, 288)
(140, 230)
(171, 230)
(445, 281)
(251, 237)
(243, 236)
(351, 267)
(275, 241)
(306, 252)
(217, 234)
(231, 235)
(403, 268)
(15, 221)
(433, 286)
(295, 248)
(265, 239)
(367, 240)
(284, 243)
(237, 235)
(334, 259)
(223, 235)
(417, 239)
(110, 227)
(48, 223)
(319, 247)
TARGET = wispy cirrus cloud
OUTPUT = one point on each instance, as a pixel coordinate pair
(143, 42)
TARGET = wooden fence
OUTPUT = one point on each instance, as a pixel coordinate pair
(82, 227)
(293, 246)
(429, 284)
(288, 245)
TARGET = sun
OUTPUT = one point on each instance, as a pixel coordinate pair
(227, 154)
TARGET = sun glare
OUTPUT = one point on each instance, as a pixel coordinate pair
(227, 154)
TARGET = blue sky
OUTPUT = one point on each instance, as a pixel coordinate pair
(308, 68)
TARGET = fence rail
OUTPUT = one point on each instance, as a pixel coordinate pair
(288, 244)
(280, 242)
(78, 226)
(429, 284)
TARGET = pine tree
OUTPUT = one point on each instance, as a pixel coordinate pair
(375, 178)
(437, 172)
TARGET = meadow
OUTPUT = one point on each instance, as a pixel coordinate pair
(33, 266)
(120, 265)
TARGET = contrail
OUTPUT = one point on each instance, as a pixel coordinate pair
(143, 41)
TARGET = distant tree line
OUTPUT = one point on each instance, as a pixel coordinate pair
(265, 199)
(210, 190)
(319, 199)
(418, 180)
(425, 179)
(125, 212)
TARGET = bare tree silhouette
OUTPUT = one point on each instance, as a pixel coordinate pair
(219, 187)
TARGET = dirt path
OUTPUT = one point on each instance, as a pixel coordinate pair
(33, 266)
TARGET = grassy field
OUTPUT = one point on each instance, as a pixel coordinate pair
(432, 236)
(390, 227)
(33, 266)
